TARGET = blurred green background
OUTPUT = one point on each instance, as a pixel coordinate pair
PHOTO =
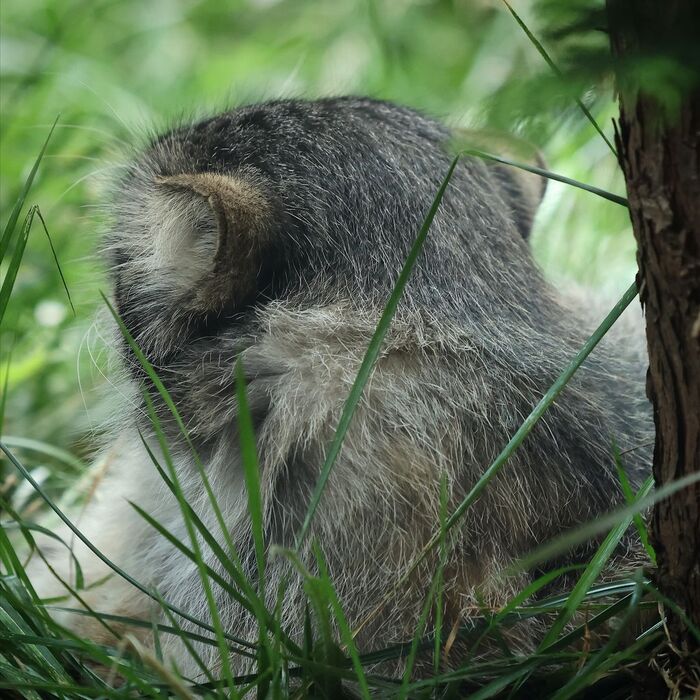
(114, 70)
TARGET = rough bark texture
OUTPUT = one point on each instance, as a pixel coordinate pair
(660, 154)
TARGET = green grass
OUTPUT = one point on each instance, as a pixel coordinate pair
(181, 57)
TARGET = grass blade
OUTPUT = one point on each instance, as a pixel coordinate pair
(326, 587)
(370, 357)
(9, 281)
(519, 436)
(130, 579)
(592, 571)
(6, 381)
(14, 214)
(546, 401)
(542, 172)
(587, 675)
(44, 448)
(55, 259)
(167, 399)
(247, 596)
(584, 533)
(251, 472)
(629, 497)
(542, 51)
(195, 554)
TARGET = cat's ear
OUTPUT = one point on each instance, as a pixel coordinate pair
(520, 190)
(222, 229)
(188, 249)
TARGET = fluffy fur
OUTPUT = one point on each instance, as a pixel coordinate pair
(274, 234)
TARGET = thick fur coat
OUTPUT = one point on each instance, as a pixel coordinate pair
(275, 233)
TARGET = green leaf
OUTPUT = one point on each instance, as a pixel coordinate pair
(195, 554)
(247, 596)
(44, 448)
(55, 259)
(603, 657)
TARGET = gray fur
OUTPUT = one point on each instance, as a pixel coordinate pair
(478, 338)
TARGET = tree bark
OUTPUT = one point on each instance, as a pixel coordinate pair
(659, 151)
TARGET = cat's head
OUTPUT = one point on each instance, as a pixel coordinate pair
(315, 202)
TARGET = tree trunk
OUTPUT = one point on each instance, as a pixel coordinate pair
(659, 151)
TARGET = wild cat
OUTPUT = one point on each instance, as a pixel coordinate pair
(273, 235)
